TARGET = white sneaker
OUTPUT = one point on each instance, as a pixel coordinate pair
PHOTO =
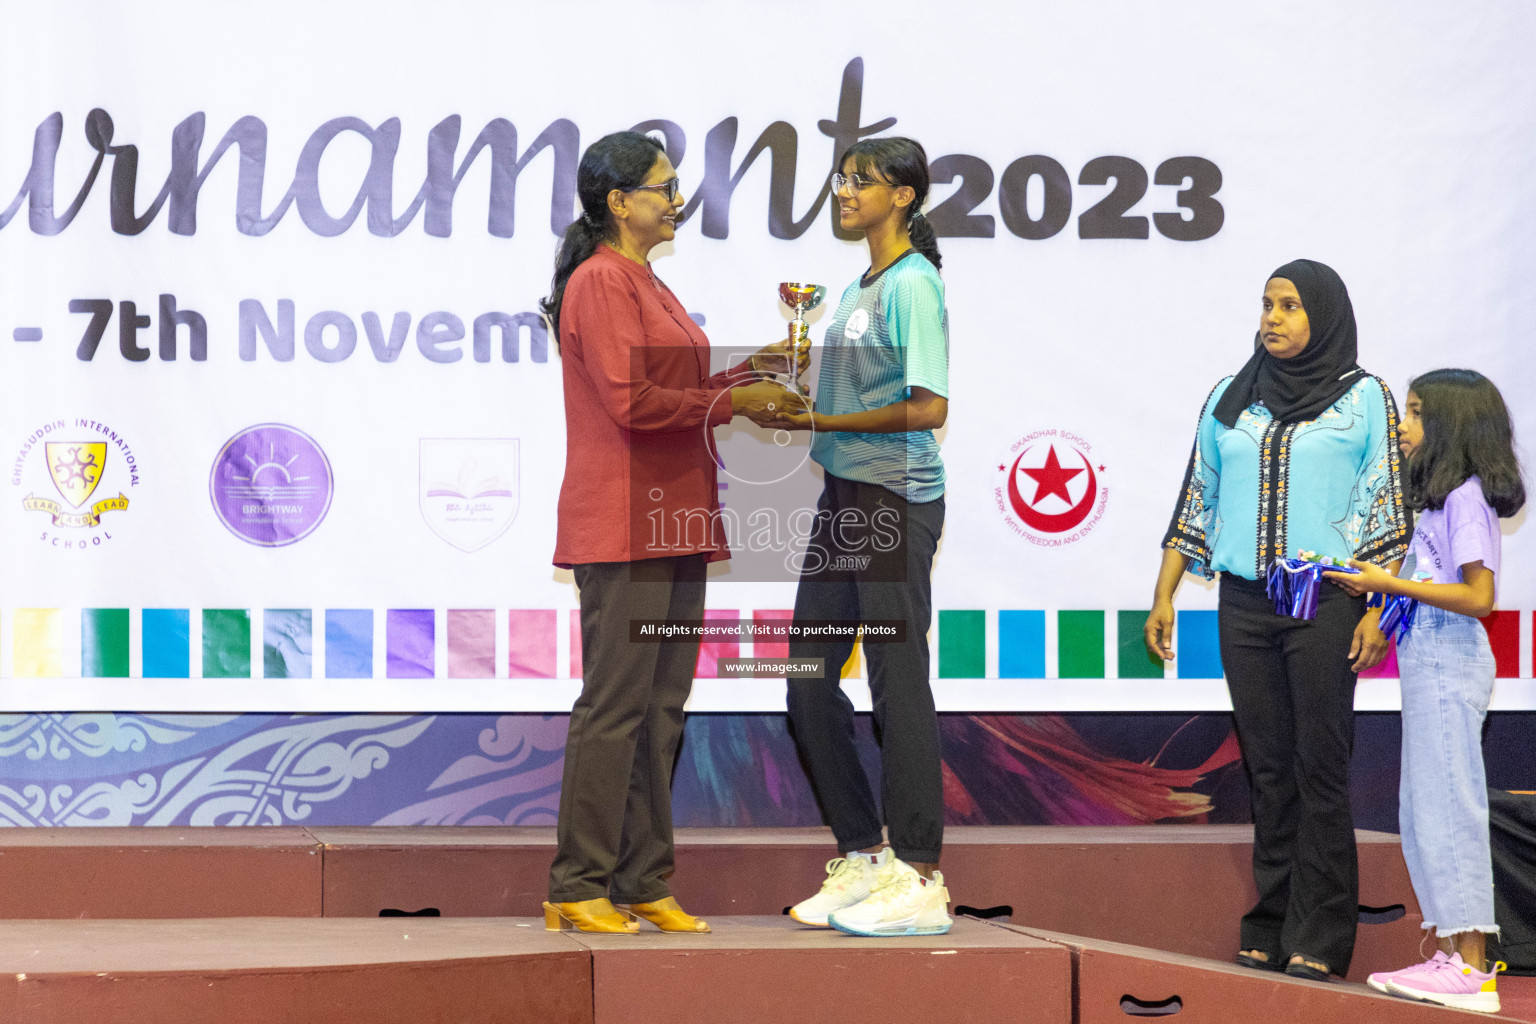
(904, 903)
(850, 880)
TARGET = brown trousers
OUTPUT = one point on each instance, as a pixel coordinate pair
(615, 829)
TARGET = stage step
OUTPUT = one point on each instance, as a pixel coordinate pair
(1180, 888)
(159, 873)
(1175, 887)
(261, 970)
(772, 970)
(1115, 982)
(468, 971)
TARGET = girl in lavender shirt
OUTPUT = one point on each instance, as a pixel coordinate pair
(1462, 476)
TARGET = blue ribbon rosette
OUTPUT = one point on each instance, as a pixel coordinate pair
(1293, 583)
(1293, 586)
(1396, 615)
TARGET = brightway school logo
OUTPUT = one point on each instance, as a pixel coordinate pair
(1051, 490)
(271, 485)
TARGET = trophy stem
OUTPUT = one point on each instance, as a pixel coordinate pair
(801, 298)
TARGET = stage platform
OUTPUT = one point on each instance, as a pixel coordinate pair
(1071, 914)
(1179, 888)
(763, 970)
(265, 970)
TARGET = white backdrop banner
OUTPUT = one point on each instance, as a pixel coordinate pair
(283, 431)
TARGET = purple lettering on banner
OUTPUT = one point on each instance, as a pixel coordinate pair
(510, 325)
(435, 336)
(713, 198)
(445, 172)
(410, 643)
(386, 350)
(38, 186)
(271, 485)
(253, 322)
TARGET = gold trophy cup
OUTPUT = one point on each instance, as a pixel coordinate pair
(802, 298)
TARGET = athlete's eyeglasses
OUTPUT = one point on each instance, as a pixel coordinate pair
(855, 183)
(671, 187)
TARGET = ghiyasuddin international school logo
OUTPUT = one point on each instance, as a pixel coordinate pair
(271, 485)
(75, 473)
(1050, 488)
(469, 488)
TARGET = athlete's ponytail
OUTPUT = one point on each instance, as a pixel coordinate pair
(923, 240)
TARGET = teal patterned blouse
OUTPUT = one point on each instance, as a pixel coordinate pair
(1262, 490)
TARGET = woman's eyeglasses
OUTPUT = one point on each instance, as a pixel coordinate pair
(671, 187)
(855, 183)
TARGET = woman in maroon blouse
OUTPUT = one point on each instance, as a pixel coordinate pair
(639, 408)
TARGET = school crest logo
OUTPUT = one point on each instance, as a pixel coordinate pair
(75, 468)
(75, 472)
(1051, 490)
(468, 488)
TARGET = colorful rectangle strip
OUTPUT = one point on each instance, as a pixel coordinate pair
(167, 637)
(37, 643)
(769, 647)
(853, 668)
(708, 665)
(226, 643)
(962, 644)
(410, 643)
(1504, 637)
(1133, 661)
(1388, 667)
(1021, 644)
(1197, 646)
(349, 643)
(471, 643)
(287, 643)
(531, 643)
(104, 643)
(1080, 645)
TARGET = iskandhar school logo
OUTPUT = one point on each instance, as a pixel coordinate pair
(1051, 490)
(75, 472)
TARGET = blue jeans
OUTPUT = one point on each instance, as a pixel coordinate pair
(1447, 678)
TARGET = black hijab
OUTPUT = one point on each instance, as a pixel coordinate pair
(1300, 388)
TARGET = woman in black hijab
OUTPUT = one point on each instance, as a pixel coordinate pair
(1296, 452)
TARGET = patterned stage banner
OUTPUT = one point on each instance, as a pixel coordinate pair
(284, 431)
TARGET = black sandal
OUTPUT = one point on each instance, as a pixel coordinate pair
(1304, 968)
(1246, 958)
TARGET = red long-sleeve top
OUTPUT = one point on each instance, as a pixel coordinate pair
(640, 407)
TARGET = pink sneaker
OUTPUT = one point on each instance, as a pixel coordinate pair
(1449, 983)
(1379, 980)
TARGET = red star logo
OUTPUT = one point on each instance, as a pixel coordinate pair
(1051, 478)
